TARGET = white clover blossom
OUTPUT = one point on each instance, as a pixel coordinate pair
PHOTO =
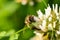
(50, 16)
(50, 21)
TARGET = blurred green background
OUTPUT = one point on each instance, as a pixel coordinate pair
(12, 16)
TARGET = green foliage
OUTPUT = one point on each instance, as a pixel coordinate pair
(12, 16)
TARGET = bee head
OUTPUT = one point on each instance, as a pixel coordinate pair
(29, 19)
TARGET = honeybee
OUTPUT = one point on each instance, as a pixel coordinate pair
(30, 19)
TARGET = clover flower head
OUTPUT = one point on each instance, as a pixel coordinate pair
(49, 22)
(50, 18)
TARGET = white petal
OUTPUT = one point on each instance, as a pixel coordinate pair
(56, 9)
(54, 24)
(58, 32)
(44, 23)
(47, 11)
(36, 18)
(50, 18)
(42, 27)
(50, 27)
(53, 7)
(36, 33)
(59, 10)
(40, 14)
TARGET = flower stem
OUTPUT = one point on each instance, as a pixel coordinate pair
(22, 29)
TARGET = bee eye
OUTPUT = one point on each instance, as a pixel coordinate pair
(31, 19)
